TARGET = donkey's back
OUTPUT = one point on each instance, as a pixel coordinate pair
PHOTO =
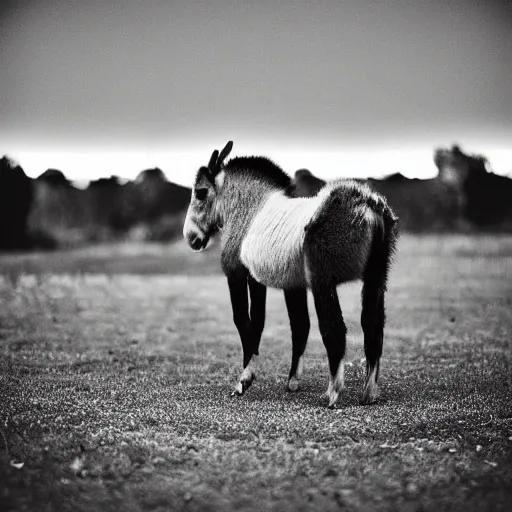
(335, 229)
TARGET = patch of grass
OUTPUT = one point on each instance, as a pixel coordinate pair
(122, 258)
(115, 390)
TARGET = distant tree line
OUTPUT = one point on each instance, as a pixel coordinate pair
(465, 195)
(49, 211)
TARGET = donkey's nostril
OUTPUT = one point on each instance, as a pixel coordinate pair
(196, 243)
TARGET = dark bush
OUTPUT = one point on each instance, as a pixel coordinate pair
(16, 196)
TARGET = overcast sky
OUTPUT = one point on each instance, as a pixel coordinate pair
(342, 87)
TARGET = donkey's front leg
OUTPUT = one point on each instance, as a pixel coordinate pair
(297, 305)
(258, 294)
(239, 302)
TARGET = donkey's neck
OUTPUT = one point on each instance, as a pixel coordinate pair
(239, 202)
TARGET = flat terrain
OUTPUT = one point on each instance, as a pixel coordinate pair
(117, 363)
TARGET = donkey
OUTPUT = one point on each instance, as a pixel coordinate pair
(345, 232)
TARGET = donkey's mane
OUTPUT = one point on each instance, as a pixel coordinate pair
(261, 168)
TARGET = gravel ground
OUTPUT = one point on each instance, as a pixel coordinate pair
(115, 389)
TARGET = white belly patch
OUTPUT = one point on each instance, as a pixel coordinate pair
(273, 248)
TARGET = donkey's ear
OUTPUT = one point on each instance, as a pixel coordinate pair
(213, 161)
(224, 153)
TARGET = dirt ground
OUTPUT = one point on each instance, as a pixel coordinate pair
(117, 363)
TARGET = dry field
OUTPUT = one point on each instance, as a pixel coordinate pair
(117, 363)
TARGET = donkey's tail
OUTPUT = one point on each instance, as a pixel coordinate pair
(383, 248)
(373, 314)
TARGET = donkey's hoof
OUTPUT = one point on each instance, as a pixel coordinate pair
(333, 398)
(243, 386)
(238, 391)
(369, 395)
(333, 393)
(293, 384)
(367, 400)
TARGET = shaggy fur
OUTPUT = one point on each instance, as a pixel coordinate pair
(345, 232)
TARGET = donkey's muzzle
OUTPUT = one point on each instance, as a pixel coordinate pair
(197, 243)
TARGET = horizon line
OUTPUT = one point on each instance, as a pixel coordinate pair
(83, 166)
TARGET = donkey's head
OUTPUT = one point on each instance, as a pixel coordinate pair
(201, 221)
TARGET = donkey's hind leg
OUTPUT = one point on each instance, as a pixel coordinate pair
(297, 305)
(372, 322)
(334, 335)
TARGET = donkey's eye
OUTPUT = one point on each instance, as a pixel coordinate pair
(201, 193)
